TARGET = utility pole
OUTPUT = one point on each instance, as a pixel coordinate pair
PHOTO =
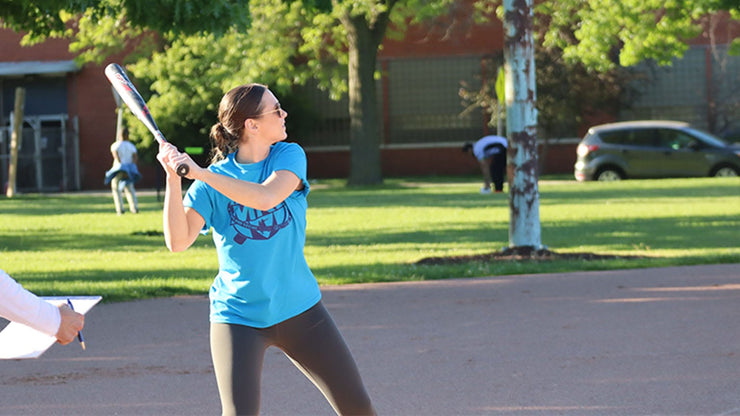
(521, 125)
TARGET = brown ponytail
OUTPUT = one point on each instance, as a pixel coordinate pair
(235, 107)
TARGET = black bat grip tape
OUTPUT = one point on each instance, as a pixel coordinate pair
(183, 170)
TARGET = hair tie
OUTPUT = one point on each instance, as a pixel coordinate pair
(224, 129)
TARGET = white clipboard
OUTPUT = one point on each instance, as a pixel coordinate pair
(18, 341)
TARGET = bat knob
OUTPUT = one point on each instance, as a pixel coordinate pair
(183, 170)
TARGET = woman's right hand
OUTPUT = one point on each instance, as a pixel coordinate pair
(170, 158)
(71, 324)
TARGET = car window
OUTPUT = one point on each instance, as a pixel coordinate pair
(615, 136)
(674, 139)
(709, 138)
(643, 137)
(630, 137)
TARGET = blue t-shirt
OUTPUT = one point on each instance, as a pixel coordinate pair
(263, 277)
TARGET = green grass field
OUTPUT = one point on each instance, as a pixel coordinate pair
(75, 244)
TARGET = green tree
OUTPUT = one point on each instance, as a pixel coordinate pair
(189, 75)
(338, 34)
(599, 33)
(99, 28)
(567, 93)
(584, 50)
(43, 18)
(603, 34)
(364, 24)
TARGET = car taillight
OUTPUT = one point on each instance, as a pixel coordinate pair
(584, 149)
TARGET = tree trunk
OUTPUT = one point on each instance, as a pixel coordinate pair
(16, 138)
(365, 133)
(521, 125)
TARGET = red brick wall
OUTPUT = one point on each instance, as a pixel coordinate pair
(449, 36)
(395, 162)
(91, 95)
(90, 98)
(51, 50)
(558, 158)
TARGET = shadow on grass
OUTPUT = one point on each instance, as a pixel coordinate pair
(66, 204)
(425, 196)
(419, 272)
(41, 240)
(622, 234)
(120, 285)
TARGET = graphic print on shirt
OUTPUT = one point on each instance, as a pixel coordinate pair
(254, 224)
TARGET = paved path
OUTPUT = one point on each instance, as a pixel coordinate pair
(633, 342)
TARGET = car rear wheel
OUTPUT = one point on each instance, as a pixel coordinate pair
(608, 175)
(725, 171)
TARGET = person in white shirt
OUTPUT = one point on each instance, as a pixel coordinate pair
(124, 172)
(491, 154)
(19, 305)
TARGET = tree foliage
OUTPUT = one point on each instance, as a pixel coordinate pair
(603, 34)
(567, 93)
(188, 76)
(312, 38)
(586, 47)
(202, 48)
(43, 18)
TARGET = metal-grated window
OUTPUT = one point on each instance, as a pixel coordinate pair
(418, 100)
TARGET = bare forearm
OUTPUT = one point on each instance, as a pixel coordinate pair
(250, 194)
(175, 224)
(262, 196)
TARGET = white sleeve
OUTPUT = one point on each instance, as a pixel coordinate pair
(19, 305)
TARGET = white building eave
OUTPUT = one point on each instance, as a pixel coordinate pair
(37, 68)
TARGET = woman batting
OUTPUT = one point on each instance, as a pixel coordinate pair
(253, 197)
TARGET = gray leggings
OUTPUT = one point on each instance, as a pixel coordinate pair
(311, 340)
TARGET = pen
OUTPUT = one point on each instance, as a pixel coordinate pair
(79, 334)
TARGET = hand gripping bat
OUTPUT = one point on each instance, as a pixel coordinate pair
(126, 89)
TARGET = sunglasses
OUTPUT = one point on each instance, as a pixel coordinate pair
(277, 109)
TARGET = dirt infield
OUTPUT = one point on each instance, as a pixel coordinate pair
(633, 342)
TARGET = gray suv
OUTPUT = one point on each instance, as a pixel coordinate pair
(653, 149)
